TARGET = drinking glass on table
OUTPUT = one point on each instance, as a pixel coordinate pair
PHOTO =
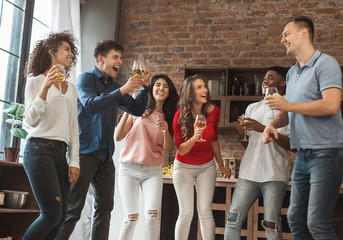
(200, 123)
(138, 68)
(60, 78)
(271, 91)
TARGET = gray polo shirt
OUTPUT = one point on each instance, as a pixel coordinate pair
(305, 85)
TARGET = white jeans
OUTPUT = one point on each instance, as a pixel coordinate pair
(131, 176)
(204, 177)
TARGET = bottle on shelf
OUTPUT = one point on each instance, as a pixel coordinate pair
(235, 86)
(257, 86)
(246, 89)
(241, 86)
(222, 85)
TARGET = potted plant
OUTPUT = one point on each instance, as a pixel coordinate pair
(16, 112)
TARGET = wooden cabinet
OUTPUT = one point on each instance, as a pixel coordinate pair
(14, 222)
(239, 90)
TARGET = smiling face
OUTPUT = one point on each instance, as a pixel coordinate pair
(291, 38)
(63, 56)
(110, 64)
(273, 79)
(160, 90)
(200, 91)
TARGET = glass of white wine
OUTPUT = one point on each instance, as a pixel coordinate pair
(61, 77)
(271, 91)
(200, 123)
(138, 68)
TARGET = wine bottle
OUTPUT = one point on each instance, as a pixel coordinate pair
(257, 86)
(222, 85)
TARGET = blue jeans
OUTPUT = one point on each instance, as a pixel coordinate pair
(316, 178)
(101, 176)
(245, 194)
(47, 169)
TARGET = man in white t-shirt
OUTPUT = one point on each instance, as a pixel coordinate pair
(264, 170)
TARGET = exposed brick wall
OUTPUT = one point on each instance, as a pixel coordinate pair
(222, 33)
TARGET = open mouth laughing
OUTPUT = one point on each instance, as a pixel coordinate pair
(116, 69)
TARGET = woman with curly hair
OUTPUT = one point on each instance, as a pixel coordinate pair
(194, 160)
(51, 111)
(142, 156)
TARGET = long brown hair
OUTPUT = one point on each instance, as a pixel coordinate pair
(186, 119)
(169, 105)
(40, 59)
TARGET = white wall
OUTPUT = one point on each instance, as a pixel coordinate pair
(98, 22)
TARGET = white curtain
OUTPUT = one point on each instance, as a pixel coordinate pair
(66, 16)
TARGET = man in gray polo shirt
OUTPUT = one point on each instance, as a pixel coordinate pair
(312, 108)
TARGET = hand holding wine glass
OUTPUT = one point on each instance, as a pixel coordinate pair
(271, 91)
(200, 123)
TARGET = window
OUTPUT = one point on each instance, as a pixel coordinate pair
(22, 22)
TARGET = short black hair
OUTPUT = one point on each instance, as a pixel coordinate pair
(279, 70)
(104, 47)
(304, 22)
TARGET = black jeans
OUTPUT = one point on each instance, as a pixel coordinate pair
(101, 176)
(47, 169)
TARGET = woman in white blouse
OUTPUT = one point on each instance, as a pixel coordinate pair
(51, 112)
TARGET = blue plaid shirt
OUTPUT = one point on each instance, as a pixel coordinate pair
(97, 112)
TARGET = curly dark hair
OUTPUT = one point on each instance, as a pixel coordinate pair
(102, 48)
(186, 119)
(40, 59)
(169, 105)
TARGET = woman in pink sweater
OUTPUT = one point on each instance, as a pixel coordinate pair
(142, 156)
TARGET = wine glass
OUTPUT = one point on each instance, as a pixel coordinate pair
(244, 127)
(61, 77)
(138, 68)
(200, 123)
(271, 91)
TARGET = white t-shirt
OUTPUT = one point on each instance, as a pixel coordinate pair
(264, 162)
(55, 118)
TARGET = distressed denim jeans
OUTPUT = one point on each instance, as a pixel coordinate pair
(46, 167)
(131, 178)
(245, 194)
(316, 178)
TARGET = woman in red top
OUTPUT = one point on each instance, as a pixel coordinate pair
(194, 160)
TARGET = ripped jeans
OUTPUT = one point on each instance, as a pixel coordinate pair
(244, 195)
(131, 177)
(46, 167)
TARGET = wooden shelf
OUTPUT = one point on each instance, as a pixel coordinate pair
(14, 222)
(231, 106)
(10, 164)
(9, 210)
